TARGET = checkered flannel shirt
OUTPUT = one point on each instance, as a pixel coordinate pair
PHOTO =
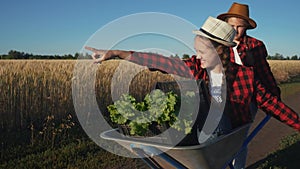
(242, 87)
(253, 53)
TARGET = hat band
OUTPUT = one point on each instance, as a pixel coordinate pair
(211, 35)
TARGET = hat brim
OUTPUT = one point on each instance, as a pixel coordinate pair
(229, 44)
(252, 23)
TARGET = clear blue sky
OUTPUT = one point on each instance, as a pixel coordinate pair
(64, 26)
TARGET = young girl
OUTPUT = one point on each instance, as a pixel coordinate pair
(228, 82)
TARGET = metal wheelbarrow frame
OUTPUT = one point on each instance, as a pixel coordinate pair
(217, 154)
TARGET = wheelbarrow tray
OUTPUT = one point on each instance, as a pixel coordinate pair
(215, 154)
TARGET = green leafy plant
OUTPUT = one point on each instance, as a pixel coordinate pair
(156, 108)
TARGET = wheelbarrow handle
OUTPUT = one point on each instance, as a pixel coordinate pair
(249, 138)
(256, 130)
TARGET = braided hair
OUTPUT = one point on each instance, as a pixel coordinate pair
(224, 57)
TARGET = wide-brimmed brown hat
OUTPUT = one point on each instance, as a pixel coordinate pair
(239, 11)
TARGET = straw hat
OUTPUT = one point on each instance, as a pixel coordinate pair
(217, 30)
(239, 11)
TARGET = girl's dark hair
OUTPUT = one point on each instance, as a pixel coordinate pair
(225, 59)
(225, 56)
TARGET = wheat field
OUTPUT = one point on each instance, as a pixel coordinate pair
(34, 89)
(284, 70)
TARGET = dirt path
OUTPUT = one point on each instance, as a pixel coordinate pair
(269, 137)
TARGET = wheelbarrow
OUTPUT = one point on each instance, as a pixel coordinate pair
(216, 154)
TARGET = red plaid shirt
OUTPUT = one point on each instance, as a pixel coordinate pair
(253, 53)
(242, 87)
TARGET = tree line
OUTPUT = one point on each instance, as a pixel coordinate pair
(279, 56)
(13, 54)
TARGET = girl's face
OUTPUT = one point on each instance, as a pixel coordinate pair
(208, 54)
